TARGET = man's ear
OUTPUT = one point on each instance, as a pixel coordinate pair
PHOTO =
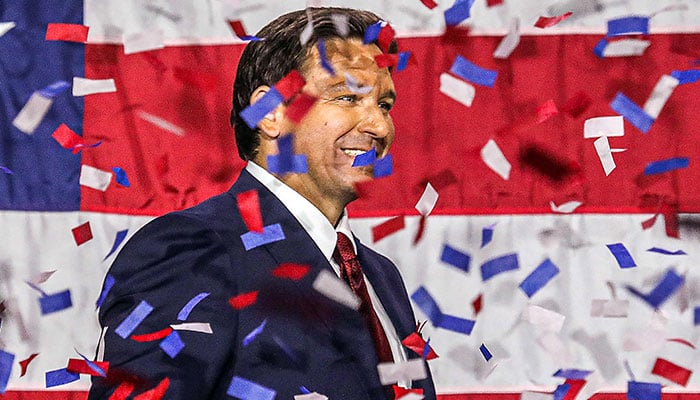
(271, 124)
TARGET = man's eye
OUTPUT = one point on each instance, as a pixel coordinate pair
(347, 97)
(386, 106)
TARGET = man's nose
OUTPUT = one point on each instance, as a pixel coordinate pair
(374, 122)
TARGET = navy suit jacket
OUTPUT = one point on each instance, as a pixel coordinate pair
(307, 339)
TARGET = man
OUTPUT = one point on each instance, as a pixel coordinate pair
(271, 329)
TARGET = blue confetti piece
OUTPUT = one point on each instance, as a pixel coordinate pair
(661, 166)
(60, 377)
(471, 72)
(632, 112)
(573, 374)
(134, 319)
(426, 350)
(187, 309)
(366, 158)
(668, 285)
(459, 12)
(55, 302)
(172, 344)
(457, 324)
(109, 282)
(544, 273)
(486, 236)
(600, 47)
(404, 56)
(643, 391)
(118, 239)
(286, 161)
(120, 177)
(687, 76)
(270, 234)
(485, 352)
(623, 257)
(321, 45)
(6, 170)
(248, 390)
(54, 89)
(696, 317)
(304, 390)
(254, 333)
(92, 365)
(383, 166)
(427, 305)
(561, 391)
(6, 361)
(258, 110)
(372, 33)
(499, 265)
(628, 25)
(455, 258)
(667, 252)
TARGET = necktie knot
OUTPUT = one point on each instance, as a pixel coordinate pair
(345, 249)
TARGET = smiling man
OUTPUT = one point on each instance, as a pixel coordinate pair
(273, 330)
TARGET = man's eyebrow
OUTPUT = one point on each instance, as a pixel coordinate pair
(390, 94)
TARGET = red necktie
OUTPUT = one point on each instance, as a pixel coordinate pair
(351, 272)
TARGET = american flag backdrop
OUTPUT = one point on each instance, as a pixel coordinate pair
(545, 179)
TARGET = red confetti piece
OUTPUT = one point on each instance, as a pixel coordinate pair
(416, 343)
(67, 32)
(429, 3)
(386, 60)
(386, 36)
(82, 233)
(400, 392)
(249, 206)
(300, 106)
(491, 3)
(546, 22)
(576, 105)
(476, 304)
(153, 336)
(290, 85)
(671, 220)
(546, 110)
(157, 392)
(67, 138)
(671, 371)
(123, 391)
(80, 366)
(385, 229)
(291, 271)
(421, 229)
(25, 363)
(238, 29)
(575, 386)
(243, 300)
(648, 223)
(682, 341)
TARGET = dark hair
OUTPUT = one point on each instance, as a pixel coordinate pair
(264, 62)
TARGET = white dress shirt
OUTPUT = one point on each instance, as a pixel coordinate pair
(324, 235)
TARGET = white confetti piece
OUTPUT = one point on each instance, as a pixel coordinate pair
(457, 89)
(566, 208)
(509, 42)
(427, 201)
(95, 178)
(33, 112)
(626, 48)
(494, 158)
(83, 86)
(203, 327)
(330, 286)
(659, 96)
(390, 373)
(161, 123)
(604, 126)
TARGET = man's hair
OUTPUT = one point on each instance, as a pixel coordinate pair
(266, 61)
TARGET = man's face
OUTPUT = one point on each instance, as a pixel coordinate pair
(342, 123)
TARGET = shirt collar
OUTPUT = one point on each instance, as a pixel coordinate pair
(311, 218)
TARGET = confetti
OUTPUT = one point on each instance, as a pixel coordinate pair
(509, 42)
(152, 39)
(286, 161)
(354, 85)
(386, 37)
(290, 85)
(459, 12)
(609, 308)
(239, 30)
(487, 235)
(671, 371)
(291, 271)
(161, 123)
(67, 138)
(498, 265)
(621, 48)
(604, 126)
(55, 302)
(118, 239)
(429, 3)
(457, 89)
(383, 166)
(430, 308)
(687, 76)
(247, 390)
(543, 318)
(249, 207)
(632, 112)
(109, 282)
(299, 107)
(33, 112)
(387, 227)
(95, 178)
(415, 342)
(6, 361)
(476, 304)
(427, 201)
(42, 277)
(664, 289)
(321, 46)
(310, 396)
(602, 148)
(372, 32)
(185, 311)
(386, 60)
(561, 391)
(271, 233)
(122, 391)
(410, 370)
(335, 289)
(243, 300)
(545, 111)
(82, 233)
(659, 95)
(468, 71)
(485, 352)
(455, 258)
(663, 166)
(696, 316)
(574, 374)
(305, 35)
(404, 58)
(258, 110)
(577, 104)
(172, 344)
(544, 273)
(493, 157)
(623, 257)
(84, 87)
(60, 377)
(22, 364)
(81, 366)
(546, 22)
(366, 158)
(254, 333)
(667, 252)
(340, 21)
(67, 32)
(566, 208)
(6, 170)
(134, 319)
(4, 28)
(157, 392)
(643, 391)
(153, 336)
(54, 89)
(628, 25)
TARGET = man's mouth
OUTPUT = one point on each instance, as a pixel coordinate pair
(353, 152)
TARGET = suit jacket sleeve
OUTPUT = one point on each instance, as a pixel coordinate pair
(166, 264)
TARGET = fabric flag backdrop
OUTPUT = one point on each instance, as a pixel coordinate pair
(570, 239)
